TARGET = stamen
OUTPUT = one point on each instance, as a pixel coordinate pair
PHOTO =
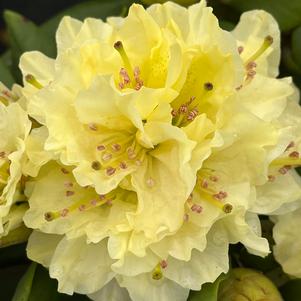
(213, 178)
(163, 264)
(294, 154)
(284, 170)
(220, 195)
(193, 114)
(110, 171)
(208, 86)
(264, 46)
(271, 178)
(123, 165)
(82, 208)
(204, 183)
(186, 217)
(196, 208)
(78, 206)
(2, 155)
(64, 171)
(292, 144)
(106, 157)
(251, 65)
(96, 165)
(69, 193)
(138, 162)
(64, 212)
(139, 82)
(227, 208)
(49, 216)
(251, 74)
(150, 182)
(183, 109)
(32, 80)
(240, 49)
(131, 153)
(101, 147)
(92, 126)
(68, 184)
(174, 112)
(116, 147)
(9, 95)
(157, 273)
(126, 78)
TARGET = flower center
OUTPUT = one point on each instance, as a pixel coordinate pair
(93, 200)
(209, 188)
(129, 77)
(250, 63)
(189, 110)
(116, 152)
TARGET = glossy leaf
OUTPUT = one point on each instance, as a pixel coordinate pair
(9, 278)
(36, 285)
(94, 9)
(24, 287)
(291, 291)
(5, 75)
(287, 13)
(26, 36)
(296, 46)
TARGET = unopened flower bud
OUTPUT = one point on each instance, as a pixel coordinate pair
(245, 284)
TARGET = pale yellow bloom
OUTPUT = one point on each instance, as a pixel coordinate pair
(287, 249)
(14, 129)
(159, 134)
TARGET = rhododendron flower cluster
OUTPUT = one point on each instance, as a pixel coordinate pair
(158, 139)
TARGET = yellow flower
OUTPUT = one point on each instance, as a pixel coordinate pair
(287, 249)
(160, 129)
(14, 129)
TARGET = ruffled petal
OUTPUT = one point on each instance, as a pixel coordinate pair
(66, 33)
(144, 288)
(287, 250)
(111, 291)
(203, 266)
(81, 267)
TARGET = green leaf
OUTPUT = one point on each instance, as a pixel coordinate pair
(287, 13)
(9, 278)
(291, 291)
(94, 9)
(24, 287)
(296, 46)
(226, 25)
(25, 36)
(5, 75)
(36, 285)
(289, 61)
(209, 291)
